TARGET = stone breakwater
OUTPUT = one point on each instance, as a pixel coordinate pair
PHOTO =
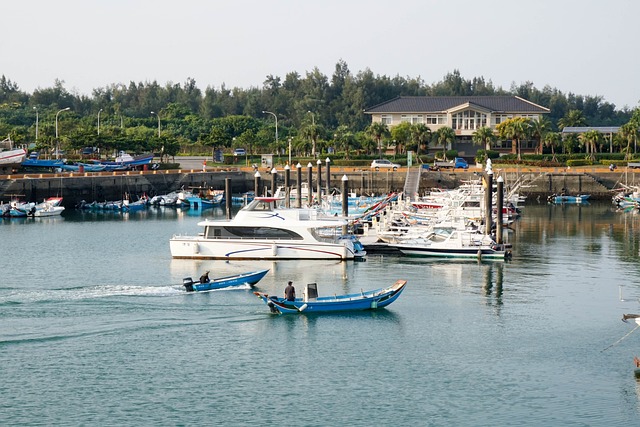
(75, 187)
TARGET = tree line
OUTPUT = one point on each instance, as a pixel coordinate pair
(309, 113)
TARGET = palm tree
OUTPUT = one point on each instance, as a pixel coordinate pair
(401, 134)
(446, 137)
(629, 133)
(552, 140)
(515, 129)
(312, 132)
(539, 129)
(590, 139)
(420, 134)
(345, 139)
(377, 130)
(573, 118)
(484, 136)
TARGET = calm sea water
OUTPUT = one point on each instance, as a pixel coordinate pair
(95, 329)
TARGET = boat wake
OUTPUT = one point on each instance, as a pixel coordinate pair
(25, 296)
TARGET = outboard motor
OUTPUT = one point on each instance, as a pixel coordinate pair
(187, 282)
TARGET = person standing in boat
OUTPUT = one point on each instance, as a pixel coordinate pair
(205, 277)
(290, 292)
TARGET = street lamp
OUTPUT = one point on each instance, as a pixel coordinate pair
(158, 115)
(276, 117)
(313, 117)
(36, 108)
(57, 140)
(99, 111)
(289, 150)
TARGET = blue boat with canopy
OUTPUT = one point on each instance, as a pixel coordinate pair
(311, 303)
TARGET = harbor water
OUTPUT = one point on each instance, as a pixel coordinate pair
(96, 329)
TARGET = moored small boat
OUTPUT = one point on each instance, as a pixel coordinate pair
(563, 198)
(311, 303)
(250, 278)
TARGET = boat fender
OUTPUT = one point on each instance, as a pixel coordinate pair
(196, 248)
(303, 307)
(274, 249)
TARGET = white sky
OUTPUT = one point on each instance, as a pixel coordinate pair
(586, 47)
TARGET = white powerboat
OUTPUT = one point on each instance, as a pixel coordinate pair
(262, 231)
(455, 244)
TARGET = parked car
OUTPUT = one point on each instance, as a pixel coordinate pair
(384, 164)
(239, 152)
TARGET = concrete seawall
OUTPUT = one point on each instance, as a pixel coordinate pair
(74, 187)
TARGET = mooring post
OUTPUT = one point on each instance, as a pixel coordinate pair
(274, 178)
(328, 188)
(488, 202)
(309, 183)
(345, 200)
(299, 185)
(287, 186)
(499, 205)
(227, 196)
(319, 182)
(256, 184)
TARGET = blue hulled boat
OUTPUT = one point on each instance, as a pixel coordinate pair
(311, 303)
(250, 278)
(562, 198)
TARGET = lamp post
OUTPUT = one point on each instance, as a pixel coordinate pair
(57, 140)
(276, 117)
(99, 111)
(36, 108)
(158, 115)
(289, 150)
(161, 148)
(313, 117)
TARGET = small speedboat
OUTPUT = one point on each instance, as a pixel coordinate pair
(250, 278)
(311, 303)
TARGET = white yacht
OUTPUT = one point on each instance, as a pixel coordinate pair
(262, 231)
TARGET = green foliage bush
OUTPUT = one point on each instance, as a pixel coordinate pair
(580, 162)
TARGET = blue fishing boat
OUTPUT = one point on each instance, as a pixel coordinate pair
(82, 167)
(250, 278)
(35, 163)
(562, 198)
(125, 161)
(311, 303)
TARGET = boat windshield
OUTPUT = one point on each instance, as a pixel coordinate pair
(266, 233)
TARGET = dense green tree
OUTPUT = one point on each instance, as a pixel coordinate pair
(190, 115)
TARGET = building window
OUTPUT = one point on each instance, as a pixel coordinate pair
(386, 119)
(468, 120)
(436, 119)
(412, 118)
(499, 118)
